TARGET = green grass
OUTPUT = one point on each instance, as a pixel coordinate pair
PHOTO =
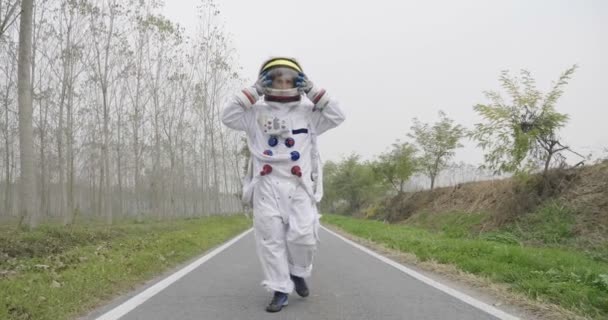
(453, 224)
(554, 225)
(59, 273)
(564, 277)
(551, 225)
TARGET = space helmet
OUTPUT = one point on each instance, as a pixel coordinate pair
(279, 76)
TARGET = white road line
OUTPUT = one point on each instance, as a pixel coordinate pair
(454, 293)
(132, 303)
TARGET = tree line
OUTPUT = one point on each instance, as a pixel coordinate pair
(519, 136)
(123, 116)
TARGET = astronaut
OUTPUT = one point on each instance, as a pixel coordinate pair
(282, 115)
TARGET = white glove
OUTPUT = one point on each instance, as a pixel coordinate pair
(263, 82)
(303, 83)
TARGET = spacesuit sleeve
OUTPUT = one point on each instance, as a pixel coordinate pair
(237, 114)
(328, 117)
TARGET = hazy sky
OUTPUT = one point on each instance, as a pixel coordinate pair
(388, 61)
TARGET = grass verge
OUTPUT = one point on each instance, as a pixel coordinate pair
(60, 272)
(567, 278)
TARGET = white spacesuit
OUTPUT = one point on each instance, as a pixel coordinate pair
(285, 181)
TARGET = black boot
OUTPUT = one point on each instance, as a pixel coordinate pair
(301, 287)
(279, 300)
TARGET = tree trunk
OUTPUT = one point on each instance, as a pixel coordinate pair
(107, 193)
(7, 174)
(214, 155)
(156, 185)
(71, 213)
(204, 175)
(8, 195)
(171, 177)
(223, 147)
(9, 185)
(136, 127)
(27, 187)
(550, 151)
(66, 77)
(7, 179)
(100, 195)
(156, 174)
(196, 210)
(60, 156)
(44, 207)
(119, 160)
(184, 180)
(136, 176)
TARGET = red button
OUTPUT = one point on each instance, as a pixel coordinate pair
(297, 171)
(289, 142)
(267, 169)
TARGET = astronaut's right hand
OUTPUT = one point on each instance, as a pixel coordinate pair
(262, 83)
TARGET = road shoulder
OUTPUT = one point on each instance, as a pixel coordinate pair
(482, 289)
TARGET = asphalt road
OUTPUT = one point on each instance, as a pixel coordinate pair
(347, 283)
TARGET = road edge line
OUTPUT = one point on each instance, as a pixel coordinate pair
(132, 303)
(435, 284)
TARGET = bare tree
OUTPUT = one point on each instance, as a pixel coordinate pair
(214, 72)
(138, 101)
(7, 96)
(126, 114)
(42, 92)
(104, 27)
(70, 37)
(8, 15)
(27, 188)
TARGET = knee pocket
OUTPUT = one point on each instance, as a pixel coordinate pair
(302, 229)
(302, 236)
(269, 229)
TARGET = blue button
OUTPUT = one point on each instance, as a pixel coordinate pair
(268, 152)
(295, 155)
(273, 141)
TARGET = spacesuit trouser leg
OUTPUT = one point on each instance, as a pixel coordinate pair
(300, 259)
(302, 239)
(270, 234)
